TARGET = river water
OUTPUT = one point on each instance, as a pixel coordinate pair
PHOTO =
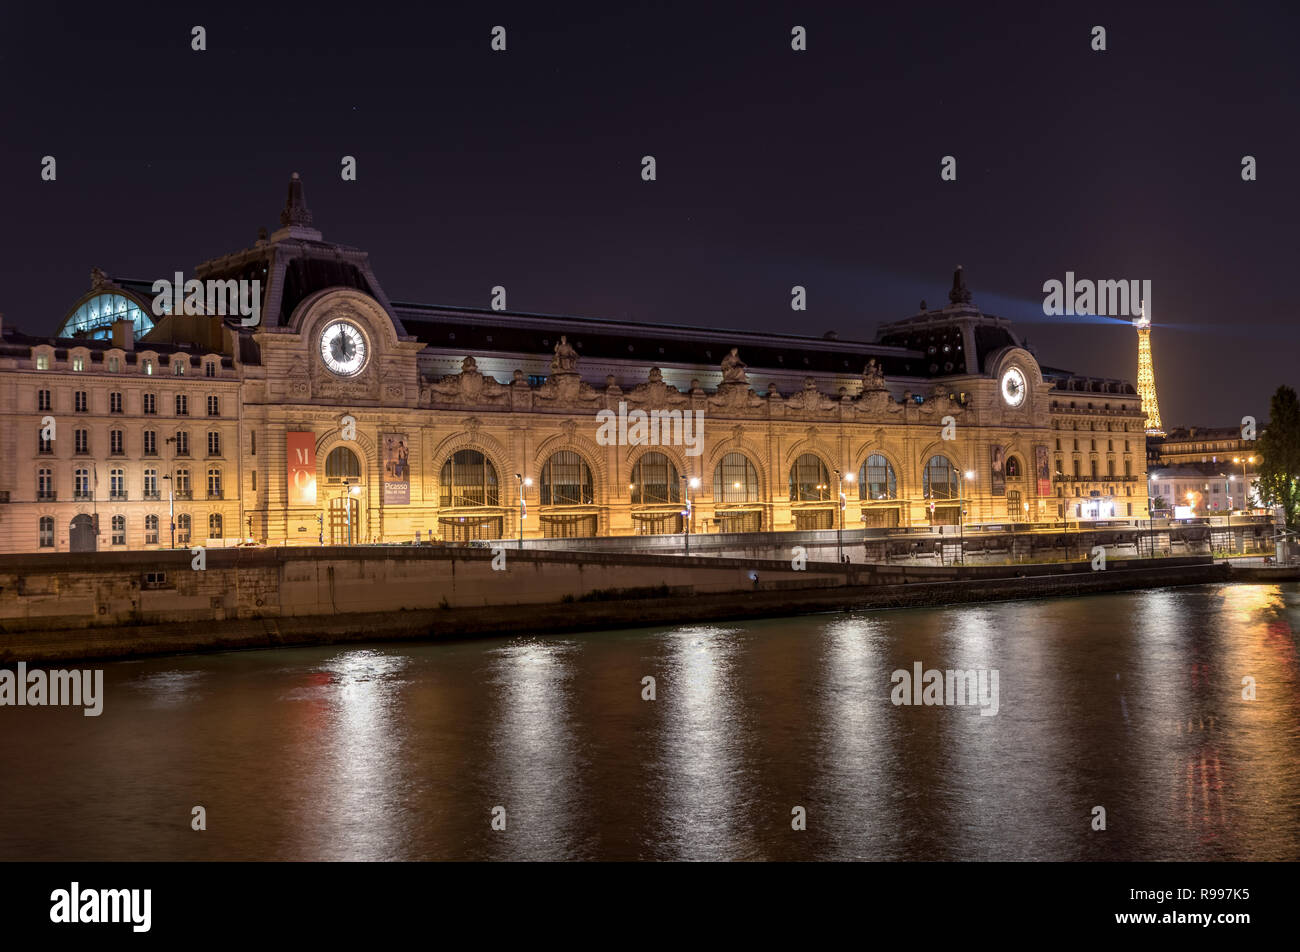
(1131, 702)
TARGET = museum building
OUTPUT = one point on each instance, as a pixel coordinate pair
(342, 415)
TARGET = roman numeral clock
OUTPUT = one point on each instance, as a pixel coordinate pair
(343, 348)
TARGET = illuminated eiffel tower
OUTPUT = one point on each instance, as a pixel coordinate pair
(1147, 374)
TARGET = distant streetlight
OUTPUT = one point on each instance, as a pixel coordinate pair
(687, 485)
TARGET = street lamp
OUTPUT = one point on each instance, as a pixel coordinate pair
(1245, 478)
(523, 507)
(839, 526)
(171, 506)
(688, 485)
(348, 492)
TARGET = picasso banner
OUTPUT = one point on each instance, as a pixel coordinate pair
(397, 470)
(300, 459)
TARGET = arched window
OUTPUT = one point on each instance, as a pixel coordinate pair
(468, 479)
(809, 480)
(151, 530)
(655, 480)
(735, 479)
(214, 526)
(183, 528)
(47, 532)
(1013, 467)
(566, 480)
(876, 479)
(939, 479)
(342, 463)
(95, 317)
(119, 530)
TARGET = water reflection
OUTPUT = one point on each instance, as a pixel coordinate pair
(1132, 701)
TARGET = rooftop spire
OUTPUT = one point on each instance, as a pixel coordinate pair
(295, 211)
(296, 217)
(959, 293)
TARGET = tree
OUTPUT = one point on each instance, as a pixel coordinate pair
(1159, 502)
(1279, 444)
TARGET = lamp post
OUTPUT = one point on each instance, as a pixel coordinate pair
(171, 507)
(1245, 478)
(523, 507)
(961, 516)
(839, 525)
(687, 485)
(348, 492)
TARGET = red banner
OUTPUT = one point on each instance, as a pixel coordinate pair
(300, 456)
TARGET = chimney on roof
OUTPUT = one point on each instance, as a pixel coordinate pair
(124, 334)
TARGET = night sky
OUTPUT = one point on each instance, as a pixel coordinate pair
(775, 167)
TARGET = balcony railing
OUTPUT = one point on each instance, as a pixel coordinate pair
(46, 495)
(215, 495)
(81, 494)
(154, 495)
(184, 494)
(118, 495)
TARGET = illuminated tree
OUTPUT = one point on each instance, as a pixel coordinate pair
(1279, 443)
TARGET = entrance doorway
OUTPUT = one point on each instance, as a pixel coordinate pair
(81, 534)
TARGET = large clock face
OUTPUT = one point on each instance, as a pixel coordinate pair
(1013, 387)
(343, 348)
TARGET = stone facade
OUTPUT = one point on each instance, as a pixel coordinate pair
(486, 404)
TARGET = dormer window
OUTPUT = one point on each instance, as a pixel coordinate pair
(78, 363)
(178, 368)
(147, 364)
(42, 361)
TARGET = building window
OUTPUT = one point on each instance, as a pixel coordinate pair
(1013, 467)
(210, 369)
(1110, 468)
(79, 363)
(47, 532)
(151, 484)
(1094, 469)
(735, 479)
(119, 530)
(178, 366)
(45, 446)
(150, 403)
(117, 483)
(254, 475)
(655, 480)
(467, 479)
(151, 530)
(115, 402)
(114, 364)
(183, 528)
(1130, 509)
(43, 363)
(182, 443)
(939, 479)
(1058, 444)
(81, 441)
(342, 464)
(115, 442)
(214, 443)
(1128, 467)
(182, 481)
(79, 401)
(81, 484)
(214, 405)
(182, 405)
(42, 399)
(147, 366)
(566, 480)
(876, 479)
(150, 443)
(252, 443)
(214, 484)
(214, 526)
(809, 480)
(45, 484)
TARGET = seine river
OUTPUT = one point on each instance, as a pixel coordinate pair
(1129, 702)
